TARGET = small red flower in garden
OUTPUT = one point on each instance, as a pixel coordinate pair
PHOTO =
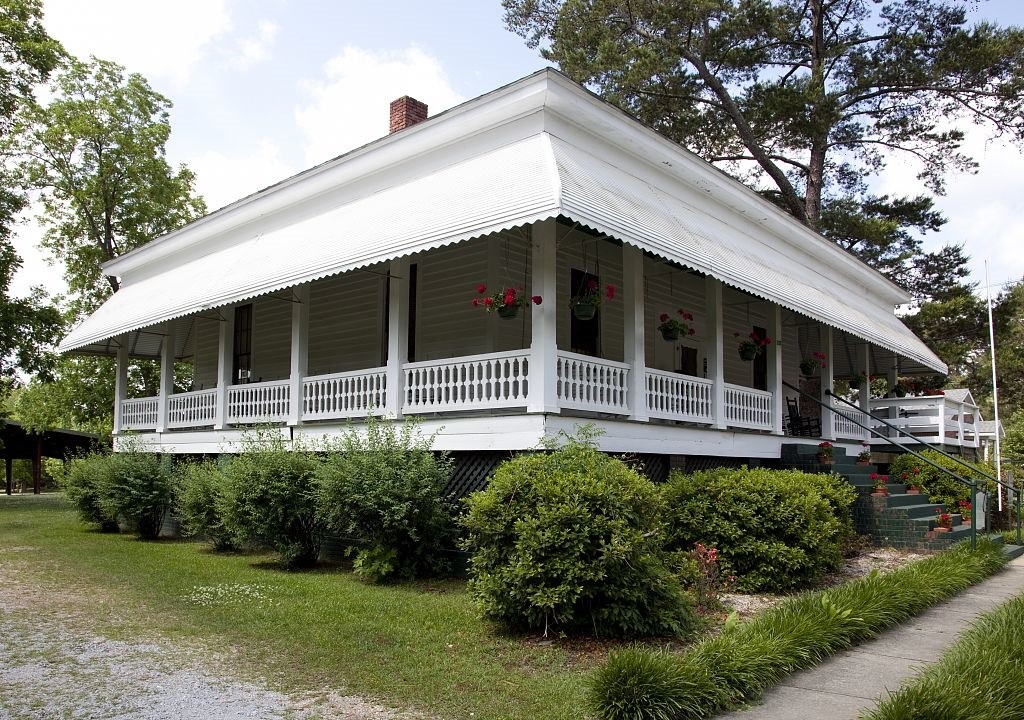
(476, 303)
(488, 302)
(481, 288)
(916, 471)
(903, 476)
(537, 299)
(874, 476)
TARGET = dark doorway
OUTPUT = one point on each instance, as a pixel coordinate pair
(241, 367)
(584, 335)
(761, 363)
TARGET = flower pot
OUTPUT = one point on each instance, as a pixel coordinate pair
(670, 334)
(748, 353)
(855, 384)
(825, 459)
(807, 368)
(942, 529)
(584, 311)
(913, 491)
(899, 392)
(508, 311)
(863, 462)
(880, 493)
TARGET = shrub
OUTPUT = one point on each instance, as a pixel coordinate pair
(747, 658)
(939, 486)
(572, 539)
(81, 483)
(200, 502)
(270, 499)
(383, 488)
(138, 487)
(773, 529)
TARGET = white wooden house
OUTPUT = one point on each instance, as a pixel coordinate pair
(348, 289)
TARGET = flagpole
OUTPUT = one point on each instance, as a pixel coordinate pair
(995, 388)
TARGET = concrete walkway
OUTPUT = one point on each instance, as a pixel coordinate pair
(857, 679)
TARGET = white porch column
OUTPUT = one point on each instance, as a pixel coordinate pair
(716, 349)
(543, 393)
(633, 351)
(398, 336)
(300, 352)
(775, 367)
(225, 361)
(864, 363)
(166, 376)
(828, 425)
(120, 382)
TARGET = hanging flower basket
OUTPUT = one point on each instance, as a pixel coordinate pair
(749, 351)
(672, 328)
(584, 311)
(856, 381)
(670, 334)
(506, 301)
(809, 365)
(753, 346)
(508, 311)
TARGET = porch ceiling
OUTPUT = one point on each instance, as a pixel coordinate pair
(529, 180)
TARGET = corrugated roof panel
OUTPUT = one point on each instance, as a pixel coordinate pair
(621, 205)
(501, 189)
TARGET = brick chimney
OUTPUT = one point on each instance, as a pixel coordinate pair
(406, 111)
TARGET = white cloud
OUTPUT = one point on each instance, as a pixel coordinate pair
(158, 40)
(252, 50)
(349, 106)
(221, 179)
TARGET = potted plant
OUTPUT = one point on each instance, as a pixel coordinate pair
(585, 303)
(943, 520)
(864, 456)
(506, 302)
(857, 380)
(965, 511)
(671, 328)
(879, 484)
(809, 365)
(899, 390)
(825, 453)
(753, 346)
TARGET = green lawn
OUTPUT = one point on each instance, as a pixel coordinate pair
(416, 646)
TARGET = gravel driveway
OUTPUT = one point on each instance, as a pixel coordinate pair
(54, 664)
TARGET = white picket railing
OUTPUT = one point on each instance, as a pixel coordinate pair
(672, 396)
(932, 418)
(589, 383)
(472, 382)
(192, 409)
(343, 395)
(139, 413)
(843, 428)
(747, 408)
(258, 402)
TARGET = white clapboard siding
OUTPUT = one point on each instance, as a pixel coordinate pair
(741, 312)
(581, 251)
(668, 289)
(346, 322)
(271, 338)
(511, 264)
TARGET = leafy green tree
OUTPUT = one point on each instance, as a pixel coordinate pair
(95, 154)
(801, 98)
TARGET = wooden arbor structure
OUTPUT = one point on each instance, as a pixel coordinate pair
(17, 443)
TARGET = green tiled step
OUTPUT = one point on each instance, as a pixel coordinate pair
(926, 510)
(1014, 551)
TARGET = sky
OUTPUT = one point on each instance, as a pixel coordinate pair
(263, 89)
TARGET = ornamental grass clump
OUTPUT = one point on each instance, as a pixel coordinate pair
(382, 487)
(773, 529)
(737, 666)
(572, 540)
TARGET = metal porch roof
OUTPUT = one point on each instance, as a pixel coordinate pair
(529, 180)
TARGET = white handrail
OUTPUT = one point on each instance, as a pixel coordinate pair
(139, 413)
(672, 396)
(589, 383)
(258, 402)
(197, 408)
(747, 408)
(344, 395)
(472, 382)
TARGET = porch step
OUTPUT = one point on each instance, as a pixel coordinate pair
(1013, 551)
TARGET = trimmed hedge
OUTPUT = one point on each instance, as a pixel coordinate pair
(747, 658)
(939, 486)
(774, 529)
(199, 493)
(573, 540)
(980, 676)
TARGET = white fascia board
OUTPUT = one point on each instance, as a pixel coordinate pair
(441, 131)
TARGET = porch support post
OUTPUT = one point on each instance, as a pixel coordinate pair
(828, 424)
(225, 361)
(864, 363)
(633, 351)
(543, 397)
(398, 336)
(716, 349)
(166, 376)
(300, 352)
(120, 383)
(775, 366)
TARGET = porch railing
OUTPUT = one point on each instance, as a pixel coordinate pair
(192, 409)
(844, 428)
(474, 382)
(343, 395)
(932, 418)
(589, 383)
(258, 402)
(747, 408)
(672, 396)
(139, 413)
